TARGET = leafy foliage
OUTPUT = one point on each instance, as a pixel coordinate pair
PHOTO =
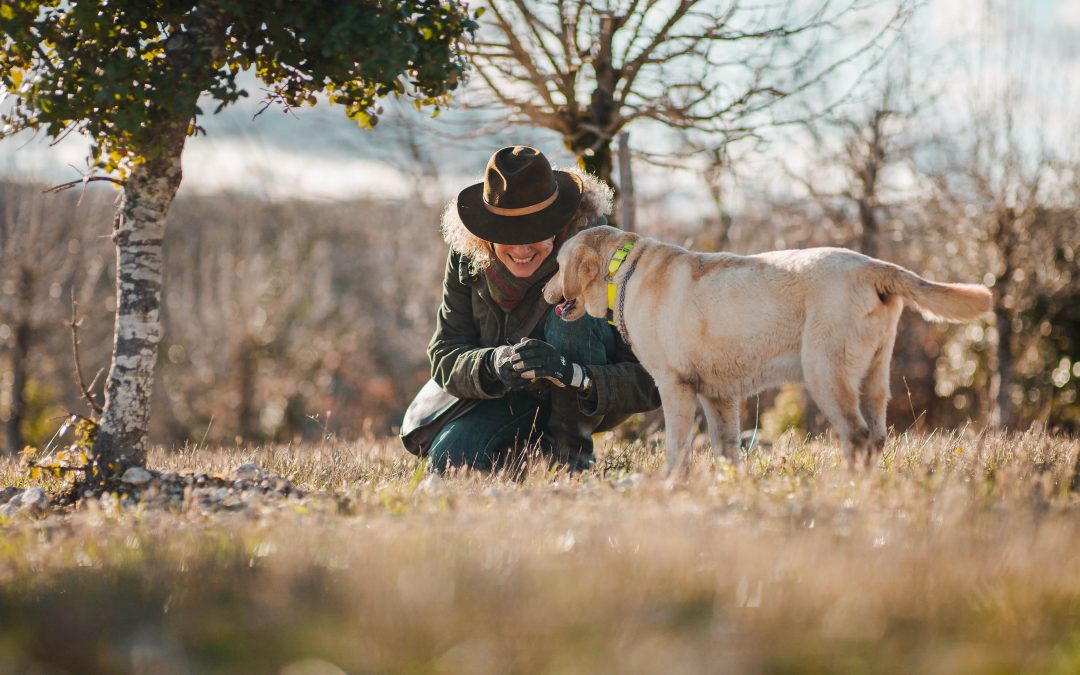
(74, 457)
(118, 71)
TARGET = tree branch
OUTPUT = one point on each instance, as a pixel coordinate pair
(87, 395)
(522, 55)
(632, 67)
(82, 181)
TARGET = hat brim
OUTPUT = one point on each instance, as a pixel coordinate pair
(527, 229)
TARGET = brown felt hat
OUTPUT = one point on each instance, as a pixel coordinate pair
(521, 201)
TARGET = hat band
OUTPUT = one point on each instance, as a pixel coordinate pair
(524, 210)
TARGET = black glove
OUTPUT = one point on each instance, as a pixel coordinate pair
(500, 367)
(536, 359)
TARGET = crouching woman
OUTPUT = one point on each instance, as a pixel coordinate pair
(509, 376)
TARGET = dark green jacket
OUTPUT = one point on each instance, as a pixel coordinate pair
(470, 325)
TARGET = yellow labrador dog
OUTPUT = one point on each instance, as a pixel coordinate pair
(714, 328)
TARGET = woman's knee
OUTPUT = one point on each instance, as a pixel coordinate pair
(459, 444)
(588, 340)
(482, 439)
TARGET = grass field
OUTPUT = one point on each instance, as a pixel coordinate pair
(958, 553)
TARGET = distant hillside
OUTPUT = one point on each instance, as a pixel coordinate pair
(309, 152)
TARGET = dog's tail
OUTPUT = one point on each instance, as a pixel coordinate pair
(936, 301)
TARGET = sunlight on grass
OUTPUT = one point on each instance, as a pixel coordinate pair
(955, 553)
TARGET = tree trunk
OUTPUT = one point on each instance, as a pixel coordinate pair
(868, 174)
(1003, 413)
(20, 352)
(596, 161)
(248, 364)
(592, 142)
(626, 184)
(138, 233)
(868, 239)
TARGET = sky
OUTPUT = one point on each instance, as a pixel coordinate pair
(316, 153)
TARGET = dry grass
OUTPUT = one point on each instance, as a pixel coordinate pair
(959, 553)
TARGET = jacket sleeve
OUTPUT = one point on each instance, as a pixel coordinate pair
(621, 387)
(457, 358)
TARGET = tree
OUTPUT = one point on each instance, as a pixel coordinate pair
(43, 242)
(588, 69)
(130, 75)
(294, 319)
(1005, 201)
(1009, 200)
(247, 282)
(853, 154)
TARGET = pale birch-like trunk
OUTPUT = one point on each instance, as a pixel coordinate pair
(138, 234)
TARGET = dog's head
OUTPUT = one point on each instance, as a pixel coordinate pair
(580, 285)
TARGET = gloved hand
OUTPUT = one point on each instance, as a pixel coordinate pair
(500, 367)
(536, 359)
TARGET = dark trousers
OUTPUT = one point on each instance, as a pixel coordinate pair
(498, 431)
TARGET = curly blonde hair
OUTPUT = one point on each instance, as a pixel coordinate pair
(596, 201)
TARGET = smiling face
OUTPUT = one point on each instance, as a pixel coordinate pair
(524, 259)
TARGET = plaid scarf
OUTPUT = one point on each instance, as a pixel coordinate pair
(507, 290)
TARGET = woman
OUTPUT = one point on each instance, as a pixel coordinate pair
(507, 374)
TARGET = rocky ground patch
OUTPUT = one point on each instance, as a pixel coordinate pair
(246, 486)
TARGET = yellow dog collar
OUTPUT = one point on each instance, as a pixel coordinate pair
(613, 267)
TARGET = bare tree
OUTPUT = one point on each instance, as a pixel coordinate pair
(860, 148)
(41, 242)
(245, 288)
(1022, 219)
(1006, 184)
(851, 168)
(588, 69)
(279, 313)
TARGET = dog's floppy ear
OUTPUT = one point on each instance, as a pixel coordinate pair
(580, 272)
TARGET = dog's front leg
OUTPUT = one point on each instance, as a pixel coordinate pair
(680, 402)
(722, 414)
